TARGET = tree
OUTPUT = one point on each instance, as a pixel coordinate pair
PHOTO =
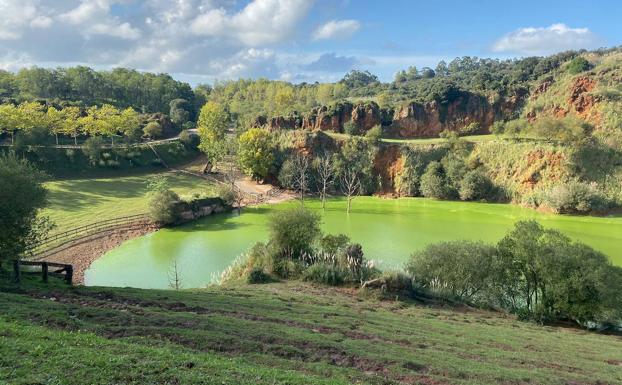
(22, 196)
(350, 183)
(163, 206)
(255, 152)
(434, 182)
(179, 111)
(374, 135)
(92, 148)
(300, 175)
(212, 126)
(174, 276)
(294, 231)
(325, 175)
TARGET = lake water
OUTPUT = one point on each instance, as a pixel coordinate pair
(389, 230)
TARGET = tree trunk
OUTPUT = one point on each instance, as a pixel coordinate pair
(56, 135)
(349, 202)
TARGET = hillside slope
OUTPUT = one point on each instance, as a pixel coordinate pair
(281, 334)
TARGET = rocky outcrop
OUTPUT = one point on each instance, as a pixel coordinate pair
(430, 119)
(327, 118)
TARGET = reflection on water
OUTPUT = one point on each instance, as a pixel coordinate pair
(389, 230)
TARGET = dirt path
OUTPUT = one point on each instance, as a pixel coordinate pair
(84, 252)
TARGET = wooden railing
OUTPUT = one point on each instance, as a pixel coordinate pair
(62, 270)
(58, 240)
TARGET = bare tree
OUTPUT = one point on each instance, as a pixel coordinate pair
(300, 179)
(174, 276)
(350, 184)
(326, 175)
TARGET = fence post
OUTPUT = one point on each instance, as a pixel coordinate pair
(69, 274)
(44, 271)
(17, 274)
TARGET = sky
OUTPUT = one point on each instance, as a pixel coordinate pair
(203, 41)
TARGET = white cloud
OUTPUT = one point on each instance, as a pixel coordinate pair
(122, 31)
(336, 29)
(16, 15)
(546, 40)
(260, 22)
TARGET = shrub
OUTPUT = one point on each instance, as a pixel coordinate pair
(163, 207)
(397, 282)
(294, 231)
(434, 182)
(476, 186)
(334, 244)
(472, 128)
(497, 128)
(323, 273)
(92, 148)
(188, 140)
(258, 275)
(578, 64)
(152, 130)
(575, 197)
(228, 194)
(459, 268)
(374, 135)
(350, 128)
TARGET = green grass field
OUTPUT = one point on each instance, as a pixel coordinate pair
(281, 333)
(76, 202)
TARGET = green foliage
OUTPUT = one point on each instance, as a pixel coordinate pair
(258, 275)
(212, 126)
(324, 273)
(163, 206)
(567, 130)
(188, 140)
(575, 197)
(180, 111)
(350, 128)
(22, 196)
(476, 185)
(256, 152)
(538, 273)
(152, 130)
(294, 231)
(577, 65)
(334, 244)
(374, 134)
(230, 195)
(470, 129)
(434, 182)
(397, 282)
(92, 148)
(461, 269)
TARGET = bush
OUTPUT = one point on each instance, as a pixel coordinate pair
(434, 182)
(397, 282)
(334, 244)
(188, 140)
(578, 64)
(294, 231)
(459, 268)
(374, 135)
(575, 197)
(350, 128)
(92, 148)
(152, 130)
(163, 207)
(323, 273)
(470, 129)
(228, 194)
(476, 186)
(258, 275)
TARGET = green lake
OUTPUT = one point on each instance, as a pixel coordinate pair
(389, 230)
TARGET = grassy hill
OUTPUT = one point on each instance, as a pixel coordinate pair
(282, 333)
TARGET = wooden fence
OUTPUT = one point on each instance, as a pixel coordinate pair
(61, 270)
(57, 240)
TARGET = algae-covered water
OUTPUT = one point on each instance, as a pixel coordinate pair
(389, 230)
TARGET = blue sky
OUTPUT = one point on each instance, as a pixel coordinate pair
(295, 40)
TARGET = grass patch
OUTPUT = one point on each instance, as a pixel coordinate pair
(75, 202)
(280, 333)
